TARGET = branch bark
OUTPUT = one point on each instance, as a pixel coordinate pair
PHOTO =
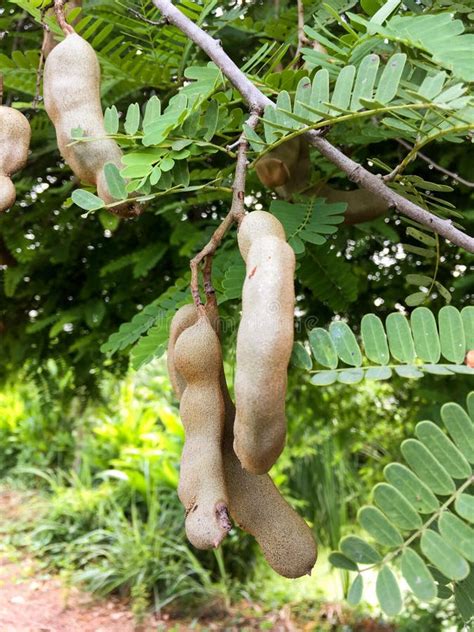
(354, 171)
(236, 214)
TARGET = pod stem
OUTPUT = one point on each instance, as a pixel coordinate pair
(67, 29)
(235, 214)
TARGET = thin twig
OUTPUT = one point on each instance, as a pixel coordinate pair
(235, 214)
(39, 71)
(436, 166)
(141, 17)
(66, 28)
(354, 171)
(302, 39)
(17, 39)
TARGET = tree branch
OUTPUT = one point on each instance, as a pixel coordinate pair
(236, 214)
(354, 171)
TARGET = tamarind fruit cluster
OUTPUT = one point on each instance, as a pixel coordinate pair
(72, 100)
(254, 501)
(264, 341)
(15, 135)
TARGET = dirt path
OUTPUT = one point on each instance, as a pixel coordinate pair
(32, 600)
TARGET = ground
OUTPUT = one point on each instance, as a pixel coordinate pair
(32, 599)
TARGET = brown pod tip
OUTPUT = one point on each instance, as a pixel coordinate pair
(222, 515)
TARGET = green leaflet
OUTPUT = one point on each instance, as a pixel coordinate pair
(417, 575)
(388, 592)
(374, 339)
(411, 487)
(339, 560)
(443, 449)
(429, 469)
(397, 509)
(451, 334)
(467, 316)
(355, 591)
(460, 427)
(377, 525)
(443, 556)
(399, 338)
(358, 550)
(458, 534)
(345, 343)
(323, 347)
(425, 335)
(300, 358)
(464, 506)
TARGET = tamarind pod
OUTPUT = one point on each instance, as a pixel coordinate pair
(183, 319)
(258, 508)
(258, 224)
(201, 489)
(72, 100)
(7, 193)
(255, 503)
(362, 205)
(15, 135)
(286, 168)
(186, 316)
(264, 345)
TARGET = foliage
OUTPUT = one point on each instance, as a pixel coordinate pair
(74, 285)
(420, 519)
(416, 346)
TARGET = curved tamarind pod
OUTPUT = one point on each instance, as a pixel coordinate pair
(72, 100)
(15, 135)
(362, 205)
(258, 507)
(286, 168)
(264, 344)
(183, 319)
(258, 224)
(256, 504)
(201, 489)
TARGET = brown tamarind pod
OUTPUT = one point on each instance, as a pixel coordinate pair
(15, 135)
(258, 507)
(286, 168)
(362, 205)
(183, 319)
(264, 345)
(201, 489)
(255, 503)
(72, 101)
(258, 224)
